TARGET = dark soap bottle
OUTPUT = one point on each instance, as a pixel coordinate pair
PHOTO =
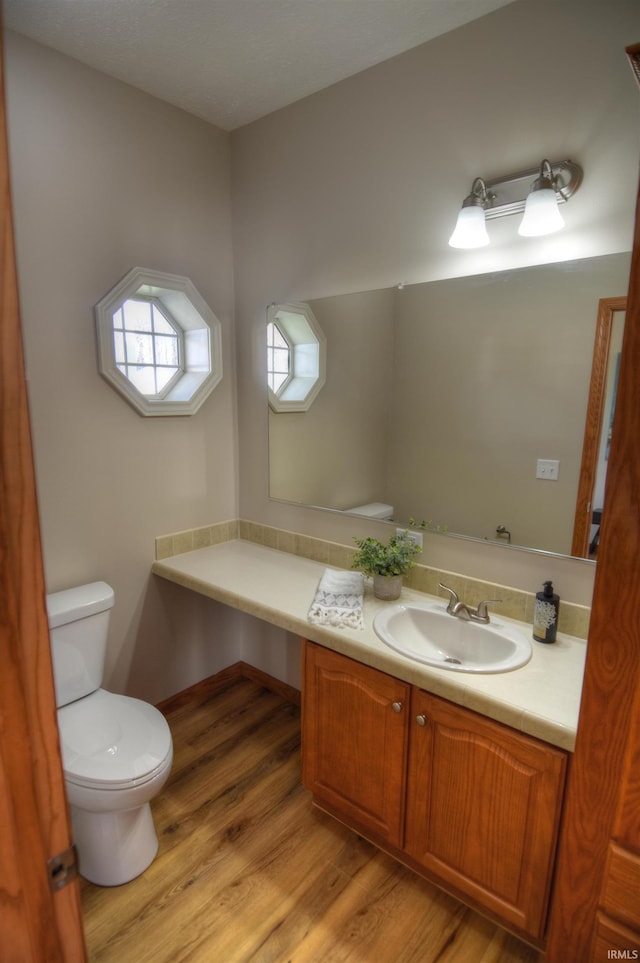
(545, 616)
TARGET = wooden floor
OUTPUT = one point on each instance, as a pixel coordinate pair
(248, 869)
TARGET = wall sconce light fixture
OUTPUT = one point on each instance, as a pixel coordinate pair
(555, 182)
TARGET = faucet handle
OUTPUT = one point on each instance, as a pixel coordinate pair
(482, 612)
(453, 599)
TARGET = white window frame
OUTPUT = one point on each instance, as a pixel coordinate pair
(200, 332)
(308, 345)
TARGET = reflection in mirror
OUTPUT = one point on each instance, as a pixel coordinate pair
(598, 426)
(442, 398)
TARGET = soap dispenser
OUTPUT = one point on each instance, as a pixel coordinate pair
(545, 616)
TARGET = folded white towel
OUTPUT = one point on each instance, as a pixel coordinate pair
(338, 600)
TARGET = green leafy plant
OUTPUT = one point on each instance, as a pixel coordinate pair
(395, 558)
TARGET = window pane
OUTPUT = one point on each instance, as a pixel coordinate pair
(118, 321)
(137, 315)
(164, 376)
(118, 347)
(276, 381)
(281, 360)
(278, 357)
(160, 323)
(144, 378)
(166, 350)
(139, 348)
(275, 336)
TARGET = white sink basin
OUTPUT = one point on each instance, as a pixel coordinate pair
(425, 632)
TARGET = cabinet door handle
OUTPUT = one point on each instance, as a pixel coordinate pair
(421, 720)
(396, 706)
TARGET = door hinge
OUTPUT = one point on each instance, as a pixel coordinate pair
(62, 869)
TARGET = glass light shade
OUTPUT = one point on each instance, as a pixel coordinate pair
(470, 230)
(541, 214)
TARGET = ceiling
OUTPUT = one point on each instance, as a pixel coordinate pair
(233, 61)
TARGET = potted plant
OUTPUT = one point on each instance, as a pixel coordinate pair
(386, 564)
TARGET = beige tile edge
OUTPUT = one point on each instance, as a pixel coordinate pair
(180, 542)
(515, 604)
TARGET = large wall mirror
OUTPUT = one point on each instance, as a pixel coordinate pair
(447, 400)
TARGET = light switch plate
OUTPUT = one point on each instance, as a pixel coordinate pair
(547, 469)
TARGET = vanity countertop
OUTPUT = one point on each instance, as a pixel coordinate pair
(542, 698)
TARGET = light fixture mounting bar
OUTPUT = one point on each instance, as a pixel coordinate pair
(508, 195)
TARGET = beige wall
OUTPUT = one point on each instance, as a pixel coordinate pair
(106, 178)
(357, 187)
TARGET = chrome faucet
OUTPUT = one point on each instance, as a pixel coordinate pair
(462, 611)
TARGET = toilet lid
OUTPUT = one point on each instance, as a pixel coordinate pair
(111, 741)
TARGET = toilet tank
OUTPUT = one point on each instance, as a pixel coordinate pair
(78, 626)
(373, 510)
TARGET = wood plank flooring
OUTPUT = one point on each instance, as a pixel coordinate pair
(248, 869)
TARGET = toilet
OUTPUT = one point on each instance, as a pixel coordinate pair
(116, 751)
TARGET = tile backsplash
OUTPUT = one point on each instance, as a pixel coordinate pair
(573, 619)
(193, 538)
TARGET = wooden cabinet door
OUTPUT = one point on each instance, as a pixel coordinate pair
(354, 742)
(483, 809)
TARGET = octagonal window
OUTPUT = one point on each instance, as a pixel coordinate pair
(296, 357)
(159, 343)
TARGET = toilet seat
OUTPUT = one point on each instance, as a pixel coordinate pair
(111, 741)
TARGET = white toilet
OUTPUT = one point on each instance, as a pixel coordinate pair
(116, 751)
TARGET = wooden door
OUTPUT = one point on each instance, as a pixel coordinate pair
(483, 809)
(37, 925)
(603, 802)
(354, 742)
(618, 915)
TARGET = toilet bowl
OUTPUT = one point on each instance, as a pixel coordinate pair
(116, 751)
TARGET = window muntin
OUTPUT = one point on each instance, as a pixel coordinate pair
(148, 346)
(278, 357)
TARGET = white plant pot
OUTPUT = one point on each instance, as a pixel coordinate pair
(387, 587)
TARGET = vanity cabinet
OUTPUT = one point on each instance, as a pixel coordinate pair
(471, 804)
